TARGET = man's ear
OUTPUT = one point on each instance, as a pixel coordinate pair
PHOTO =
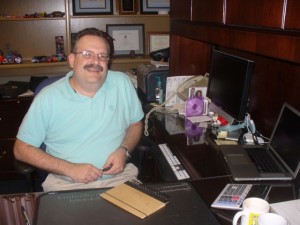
(71, 59)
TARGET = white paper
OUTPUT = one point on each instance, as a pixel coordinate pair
(126, 40)
(171, 89)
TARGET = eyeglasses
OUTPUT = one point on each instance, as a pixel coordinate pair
(91, 55)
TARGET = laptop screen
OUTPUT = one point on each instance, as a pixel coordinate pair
(285, 139)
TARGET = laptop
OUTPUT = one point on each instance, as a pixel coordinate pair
(283, 148)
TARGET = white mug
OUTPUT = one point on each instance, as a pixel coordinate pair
(252, 208)
(271, 218)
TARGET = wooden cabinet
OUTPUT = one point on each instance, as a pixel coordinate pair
(264, 31)
(211, 11)
(12, 112)
(36, 36)
(255, 13)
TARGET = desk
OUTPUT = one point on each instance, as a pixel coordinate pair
(204, 163)
(206, 166)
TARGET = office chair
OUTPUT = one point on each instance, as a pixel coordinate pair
(24, 168)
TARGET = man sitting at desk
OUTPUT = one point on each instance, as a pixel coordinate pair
(89, 120)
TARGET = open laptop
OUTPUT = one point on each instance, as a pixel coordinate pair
(283, 147)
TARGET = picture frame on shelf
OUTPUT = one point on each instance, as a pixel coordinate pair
(92, 7)
(129, 39)
(157, 41)
(127, 7)
(155, 6)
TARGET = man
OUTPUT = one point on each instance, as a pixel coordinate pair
(89, 120)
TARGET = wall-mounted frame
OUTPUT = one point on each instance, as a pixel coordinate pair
(92, 7)
(127, 38)
(157, 41)
(127, 7)
(154, 6)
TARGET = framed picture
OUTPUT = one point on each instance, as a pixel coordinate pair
(157, 41)
(127, 7)
(154, 6)
(128, 38)
(92, 7)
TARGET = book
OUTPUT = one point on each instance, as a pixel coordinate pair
(136, 198)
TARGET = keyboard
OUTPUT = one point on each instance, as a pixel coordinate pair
(263, 161)
(174, 163)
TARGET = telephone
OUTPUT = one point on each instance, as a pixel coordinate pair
(161, 54)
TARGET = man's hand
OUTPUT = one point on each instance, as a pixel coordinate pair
(117, 161)
(83, 172)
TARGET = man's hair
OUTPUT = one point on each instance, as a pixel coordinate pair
(94, 32)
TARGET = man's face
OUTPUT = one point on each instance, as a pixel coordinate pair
(86, 62)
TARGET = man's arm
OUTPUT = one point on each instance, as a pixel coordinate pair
(118, 158)
(80, 172)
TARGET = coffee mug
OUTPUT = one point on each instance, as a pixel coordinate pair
(252, 208)
(271, 218)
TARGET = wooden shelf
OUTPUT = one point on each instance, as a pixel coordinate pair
(28, 68)
(31, 19)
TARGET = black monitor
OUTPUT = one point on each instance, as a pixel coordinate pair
(228, 85)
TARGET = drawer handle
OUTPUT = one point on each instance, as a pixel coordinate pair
(2, 154)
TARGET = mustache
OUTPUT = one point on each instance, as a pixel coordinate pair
(93, 66)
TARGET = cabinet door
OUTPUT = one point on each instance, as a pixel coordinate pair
(12, 112)
(6, 157)
(255, 13)
(210, 11)
(292, 15)
(180, 10)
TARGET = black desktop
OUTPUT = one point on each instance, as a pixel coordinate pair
(228, 86)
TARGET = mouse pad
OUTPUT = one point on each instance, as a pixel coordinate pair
(87, 207)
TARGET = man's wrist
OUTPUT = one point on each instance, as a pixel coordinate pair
(128, 155)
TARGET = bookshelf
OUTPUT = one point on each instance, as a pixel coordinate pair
(36, 36)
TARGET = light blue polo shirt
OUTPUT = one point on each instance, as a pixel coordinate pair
(80, 129)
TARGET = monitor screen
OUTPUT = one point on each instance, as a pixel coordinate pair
(228, 85)
(285, 138)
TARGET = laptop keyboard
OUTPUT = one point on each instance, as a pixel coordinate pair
(263, 161)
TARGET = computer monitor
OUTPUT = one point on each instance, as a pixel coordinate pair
(228, 85)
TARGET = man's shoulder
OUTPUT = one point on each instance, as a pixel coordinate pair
(117, 76)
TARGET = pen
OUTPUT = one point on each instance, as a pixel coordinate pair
(25, 215)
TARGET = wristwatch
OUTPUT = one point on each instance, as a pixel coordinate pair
(128, 155)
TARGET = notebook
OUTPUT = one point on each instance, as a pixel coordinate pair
(136, 198)
(283, 148)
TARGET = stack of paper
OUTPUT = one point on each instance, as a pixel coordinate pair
(290, 210)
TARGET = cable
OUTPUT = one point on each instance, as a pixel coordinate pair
(152, 110)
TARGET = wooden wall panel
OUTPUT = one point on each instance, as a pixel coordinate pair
(208, 11)
(292, 21)
(257, 13)
(189, 57)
